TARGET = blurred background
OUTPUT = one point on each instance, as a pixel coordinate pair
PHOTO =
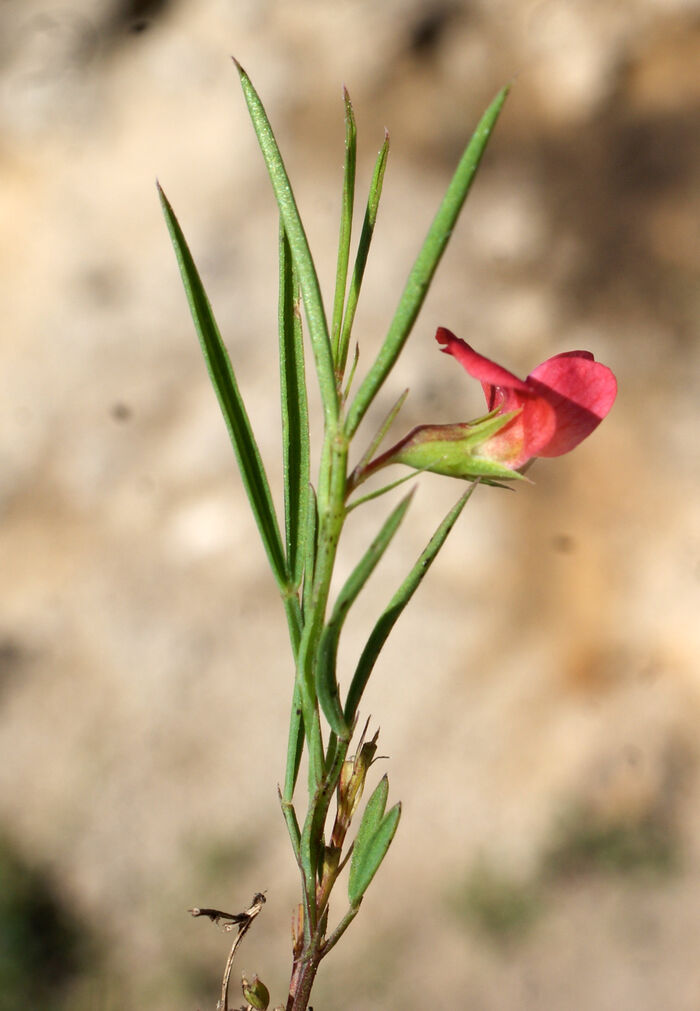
(540, 706)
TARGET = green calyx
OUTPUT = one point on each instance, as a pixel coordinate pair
(459, 450)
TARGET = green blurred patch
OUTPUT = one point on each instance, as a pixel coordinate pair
(498, 905)
(220, 861)
(586, 843)
(42, 946)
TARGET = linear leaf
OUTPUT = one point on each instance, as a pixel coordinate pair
(296, 726)
(379, 437)
(383, 490)
(309, 551)
(345, 221)
(295, 745)
(301, 254)
(425, 265)
(233, 409)
(375, 192)
(326, 680)
(391, 614)
(295, 415)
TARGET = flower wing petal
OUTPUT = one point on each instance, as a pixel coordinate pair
(526, 434)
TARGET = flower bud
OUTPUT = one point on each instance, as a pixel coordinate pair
(351, 785)
(331, 859)
(256, 993)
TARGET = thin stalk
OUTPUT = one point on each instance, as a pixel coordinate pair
(331, 513)
(339, 930)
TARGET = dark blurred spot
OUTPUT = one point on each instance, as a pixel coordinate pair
(615, 184)
(499, 906)
(586, 842)
(102, 283)
(121, 411)
(427, 32)
(42, 946)
(564, 544)
(632, 754)
(135, 16)
(12, 656)
(648, 155)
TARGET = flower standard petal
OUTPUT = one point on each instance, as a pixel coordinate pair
(580, 390)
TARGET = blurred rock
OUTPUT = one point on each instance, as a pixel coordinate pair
(551, 659)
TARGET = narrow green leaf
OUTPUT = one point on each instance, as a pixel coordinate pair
(375, 192)
(379, 437)
(301, 254)
(390, 615)
(295, 745)
(345, 221)
(295, 415)
(382, 491)
(327, 689)
(296, 726)
(310, 538)
(233, 409)
(353, 369)
(373, 840)
(290, 817)
(425, 265)
(326, 680)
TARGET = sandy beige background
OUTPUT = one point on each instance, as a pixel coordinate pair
(540, 701)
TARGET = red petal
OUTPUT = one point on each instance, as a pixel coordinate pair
(523, 438)
(580, 390)
(490, 374)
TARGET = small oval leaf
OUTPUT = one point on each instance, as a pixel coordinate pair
(372, 853)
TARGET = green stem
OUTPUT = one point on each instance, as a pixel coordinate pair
(296, 727)
(331, 512)
(340, 930)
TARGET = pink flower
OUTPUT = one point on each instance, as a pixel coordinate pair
(560, 403)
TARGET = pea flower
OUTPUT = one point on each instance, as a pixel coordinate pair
(559, 404)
